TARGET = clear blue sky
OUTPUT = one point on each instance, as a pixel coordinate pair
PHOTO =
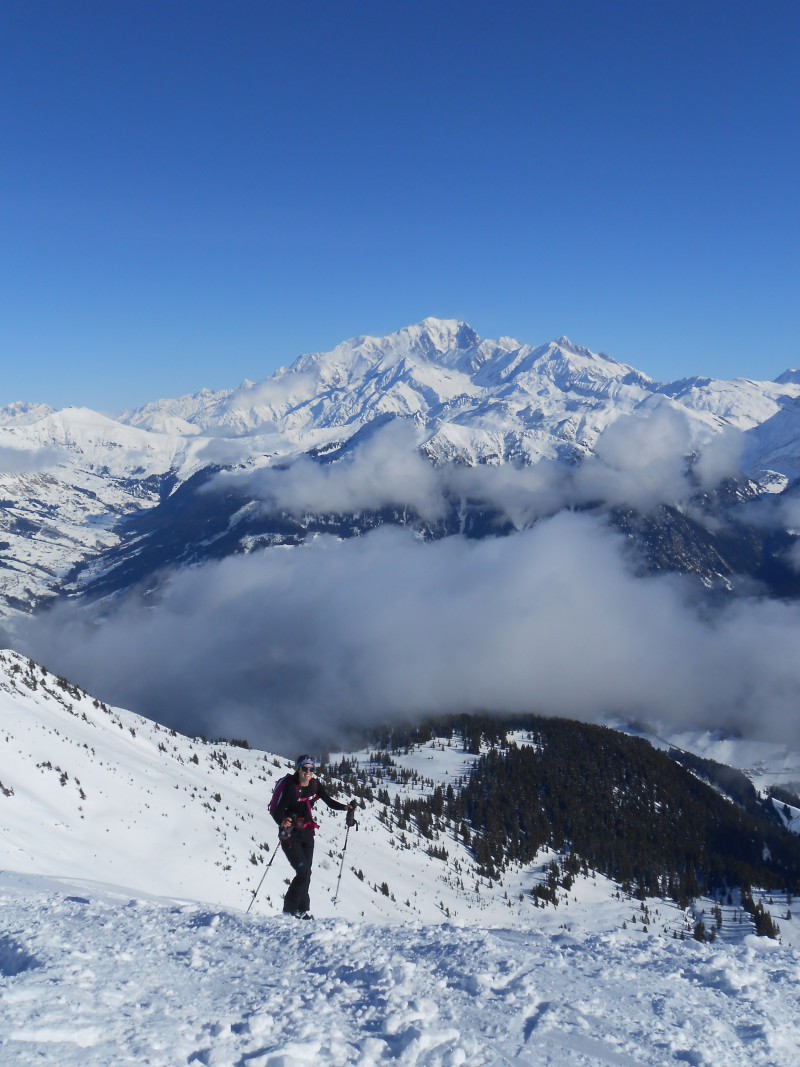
(194, 192)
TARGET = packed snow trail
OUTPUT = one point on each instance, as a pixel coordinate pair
(91, 977)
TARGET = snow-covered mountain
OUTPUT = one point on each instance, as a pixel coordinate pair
(440, 372)
(131, 853)
(67, 478)
(70, 478)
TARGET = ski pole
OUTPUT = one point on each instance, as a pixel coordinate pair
(341, 866)
(263, 876)
(350, 820)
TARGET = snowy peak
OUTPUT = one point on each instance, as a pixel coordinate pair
(177, 416)
(573, 365)
(566, 348)
(433, 371)
(432, 340)
(22, 414)
(440, 372)
(94, 441)
(473, 401)
(739, 403)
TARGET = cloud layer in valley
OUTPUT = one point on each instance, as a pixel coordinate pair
(637, 462)
(283, 647)
(27, 460)
(289, 647)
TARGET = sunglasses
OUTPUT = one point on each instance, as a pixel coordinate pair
(307, 768)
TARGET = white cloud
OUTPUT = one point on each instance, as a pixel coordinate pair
(27, 461)
(385, 470)
(720, 458)
(281, 645)
(639, 462)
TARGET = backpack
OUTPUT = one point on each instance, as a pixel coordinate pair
(277, 796)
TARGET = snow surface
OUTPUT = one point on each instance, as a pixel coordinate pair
(129, 856)
(93, 975)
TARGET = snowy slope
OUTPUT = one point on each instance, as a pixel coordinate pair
(92, 976)
(67, 479)
(775, 443)
(101, 793)
(741, 403)
(126, 875)
(764, 763)
(21, 413)
(93, 792)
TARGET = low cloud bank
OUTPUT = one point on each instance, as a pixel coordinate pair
(385, 470)
(637, 462)
(27, 460)
(289, 647)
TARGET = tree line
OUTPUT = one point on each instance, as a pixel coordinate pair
(611, 801)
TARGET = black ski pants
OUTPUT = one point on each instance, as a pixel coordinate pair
(299, 851)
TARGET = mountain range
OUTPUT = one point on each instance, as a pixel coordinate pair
(94, 504)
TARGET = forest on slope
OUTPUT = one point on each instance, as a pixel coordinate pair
(605, 800)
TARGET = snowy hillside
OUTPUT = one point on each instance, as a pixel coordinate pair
(775, 443)
(92, 792)
(127, 871)
(69, 479)
(66, 479)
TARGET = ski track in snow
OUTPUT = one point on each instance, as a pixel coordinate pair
(90, 976)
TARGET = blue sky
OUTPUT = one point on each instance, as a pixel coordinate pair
(192, 193)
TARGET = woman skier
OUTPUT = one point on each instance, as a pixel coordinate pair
(291, 808)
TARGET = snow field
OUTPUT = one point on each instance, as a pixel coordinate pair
(90, 976)
(442, 968)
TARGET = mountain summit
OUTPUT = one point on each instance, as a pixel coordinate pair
(438, 371)
(548, 400)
